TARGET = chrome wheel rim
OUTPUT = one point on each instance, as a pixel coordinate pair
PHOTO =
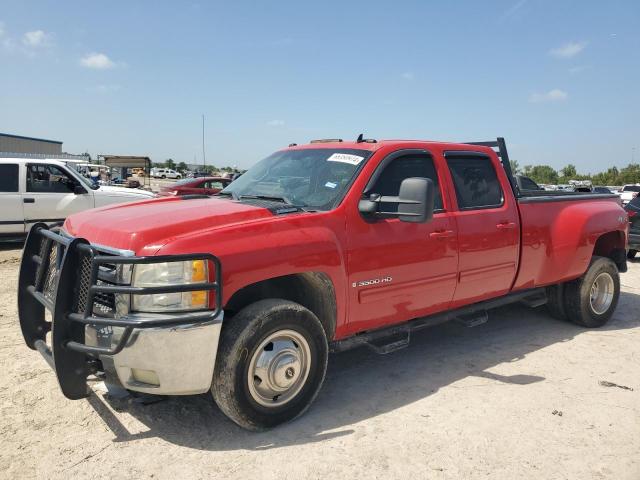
(601, 293)
(279, 368)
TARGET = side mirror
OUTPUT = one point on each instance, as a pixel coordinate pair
(415, 201)
(79, 190)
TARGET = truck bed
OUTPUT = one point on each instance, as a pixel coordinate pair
(558, 238)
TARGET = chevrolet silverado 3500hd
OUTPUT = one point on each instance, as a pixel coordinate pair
(318, 247)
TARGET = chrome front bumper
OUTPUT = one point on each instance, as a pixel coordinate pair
(92, 328)
(177, 360)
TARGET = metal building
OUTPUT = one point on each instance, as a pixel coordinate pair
(29, 145)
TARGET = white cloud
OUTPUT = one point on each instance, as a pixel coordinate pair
(555, 95)
(104, 89)
(513, 10)
(408, 76)
(275, 123)
(578, 69)
(568, 50)
(97, 61)
(35, 39)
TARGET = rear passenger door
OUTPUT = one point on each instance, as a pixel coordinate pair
(11, 214)
(488, 227)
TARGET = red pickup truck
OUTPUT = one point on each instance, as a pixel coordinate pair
(318, 247)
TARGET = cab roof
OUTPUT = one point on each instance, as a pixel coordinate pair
(373, 146)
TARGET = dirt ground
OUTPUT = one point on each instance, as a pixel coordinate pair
(517, 397)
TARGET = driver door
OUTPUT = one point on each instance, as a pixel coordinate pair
(50, 196)
(398, 270)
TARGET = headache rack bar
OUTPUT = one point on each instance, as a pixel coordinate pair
(62, 275)
(502, 153)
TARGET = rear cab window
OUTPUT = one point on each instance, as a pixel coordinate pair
(476, 182)
(9, 178)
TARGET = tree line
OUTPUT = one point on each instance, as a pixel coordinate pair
(546, 174)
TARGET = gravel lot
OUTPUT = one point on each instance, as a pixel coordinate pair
(517, 397)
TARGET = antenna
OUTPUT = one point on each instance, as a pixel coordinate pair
(360, 138)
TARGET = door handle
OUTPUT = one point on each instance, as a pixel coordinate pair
(441, 234)
(29, 200)
(506, 226)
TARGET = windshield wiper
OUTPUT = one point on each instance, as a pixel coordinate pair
(272, 198)
(268, 197)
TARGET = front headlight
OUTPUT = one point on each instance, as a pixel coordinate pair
(170, 273)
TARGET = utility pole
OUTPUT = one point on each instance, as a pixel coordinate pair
(204, 160)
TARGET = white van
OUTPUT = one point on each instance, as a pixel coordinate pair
(165, 173)
(48, 191)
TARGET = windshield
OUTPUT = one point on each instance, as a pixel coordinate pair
(85, 181)
(313, 178)
(631, 188)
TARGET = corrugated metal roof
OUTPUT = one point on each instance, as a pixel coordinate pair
(29, 138)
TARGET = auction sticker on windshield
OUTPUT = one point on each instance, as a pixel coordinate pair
(345, 158)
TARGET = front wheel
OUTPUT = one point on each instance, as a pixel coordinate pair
(163, 177)
(271, 362)
(631, 254)
(591, 299)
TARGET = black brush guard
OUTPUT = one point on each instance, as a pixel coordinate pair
(61, 274)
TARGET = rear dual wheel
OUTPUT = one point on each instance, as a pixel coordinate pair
(271, 363)
(590, 300)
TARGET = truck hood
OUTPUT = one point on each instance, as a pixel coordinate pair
(123, 192)
(144, 227)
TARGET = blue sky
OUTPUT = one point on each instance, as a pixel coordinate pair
(559, 79)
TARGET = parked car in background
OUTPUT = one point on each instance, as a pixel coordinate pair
(628, 193)
(525, 183)
(191, 186)
(601, 190)
(200, 174)
(165, 173)
(47, 191)
(633, 211)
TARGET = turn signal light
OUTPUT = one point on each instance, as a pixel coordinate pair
(199, 274)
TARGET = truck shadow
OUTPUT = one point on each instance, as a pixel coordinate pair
(361, 385)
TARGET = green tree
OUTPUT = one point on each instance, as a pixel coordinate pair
(182, 167)
(630, 173)
(515, 166)
(569, 173)
(543, 174)
(169, 163)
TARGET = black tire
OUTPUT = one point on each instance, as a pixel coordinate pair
(163, 177)
(631, 254)
(239, 342)
(578, 305)
(555, 301)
